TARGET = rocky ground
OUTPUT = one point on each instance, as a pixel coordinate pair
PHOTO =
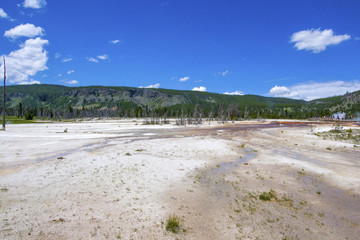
(123, 180)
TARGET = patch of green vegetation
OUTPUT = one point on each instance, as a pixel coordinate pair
(250, 208)
(128, 154)
(339, 134)
(302, 172)
(268, 196)
(287, 201)
(16, 120)
(173, 223)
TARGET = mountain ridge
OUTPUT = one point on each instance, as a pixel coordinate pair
(122, 100)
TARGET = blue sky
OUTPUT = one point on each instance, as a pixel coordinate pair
(298, 49)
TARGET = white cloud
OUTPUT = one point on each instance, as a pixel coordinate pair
(91, 59)
(3, 14)
(199, 89)
(315, 90)
(70, 82)
(24, 30)
(316, 40)
(59, 74)
(26, 61)
(279, 90)
(70, 72)
(34, 4)
(57, 55)
(223, 73)
(96, 60)
(29, 82)
(157, 85)
(184, 79)
(103, 57)
(67, 60)
(234, 93)
(115, 41)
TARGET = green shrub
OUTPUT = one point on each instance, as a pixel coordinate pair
(173, 223)
(267, 196)
(29, 116)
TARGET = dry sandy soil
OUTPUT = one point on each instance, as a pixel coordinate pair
(122, 180)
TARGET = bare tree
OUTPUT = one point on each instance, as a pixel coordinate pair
(211, 115)
(221, 114)
(197, 115)
(246, 112)
(231, 112)
(182, 118)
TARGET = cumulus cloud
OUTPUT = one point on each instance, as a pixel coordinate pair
(103, 57)
(34, 4)
(315, 90)
(199, 89)
(234, 93)
(70, 72)
(157, 85)
(184, 79)
(279, 90)
(3, 14)
(316, 40)
(26, 61)
(24, 30)
(91, 59)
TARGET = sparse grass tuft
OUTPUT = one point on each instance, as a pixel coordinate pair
(302, 172)
(268, 196)
(173, 223)
(339, 134)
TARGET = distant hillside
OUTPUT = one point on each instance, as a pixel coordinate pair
(349, 103)
(68, 102)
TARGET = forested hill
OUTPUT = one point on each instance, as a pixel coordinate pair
(55, 101)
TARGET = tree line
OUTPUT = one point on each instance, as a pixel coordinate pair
(184, 113)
